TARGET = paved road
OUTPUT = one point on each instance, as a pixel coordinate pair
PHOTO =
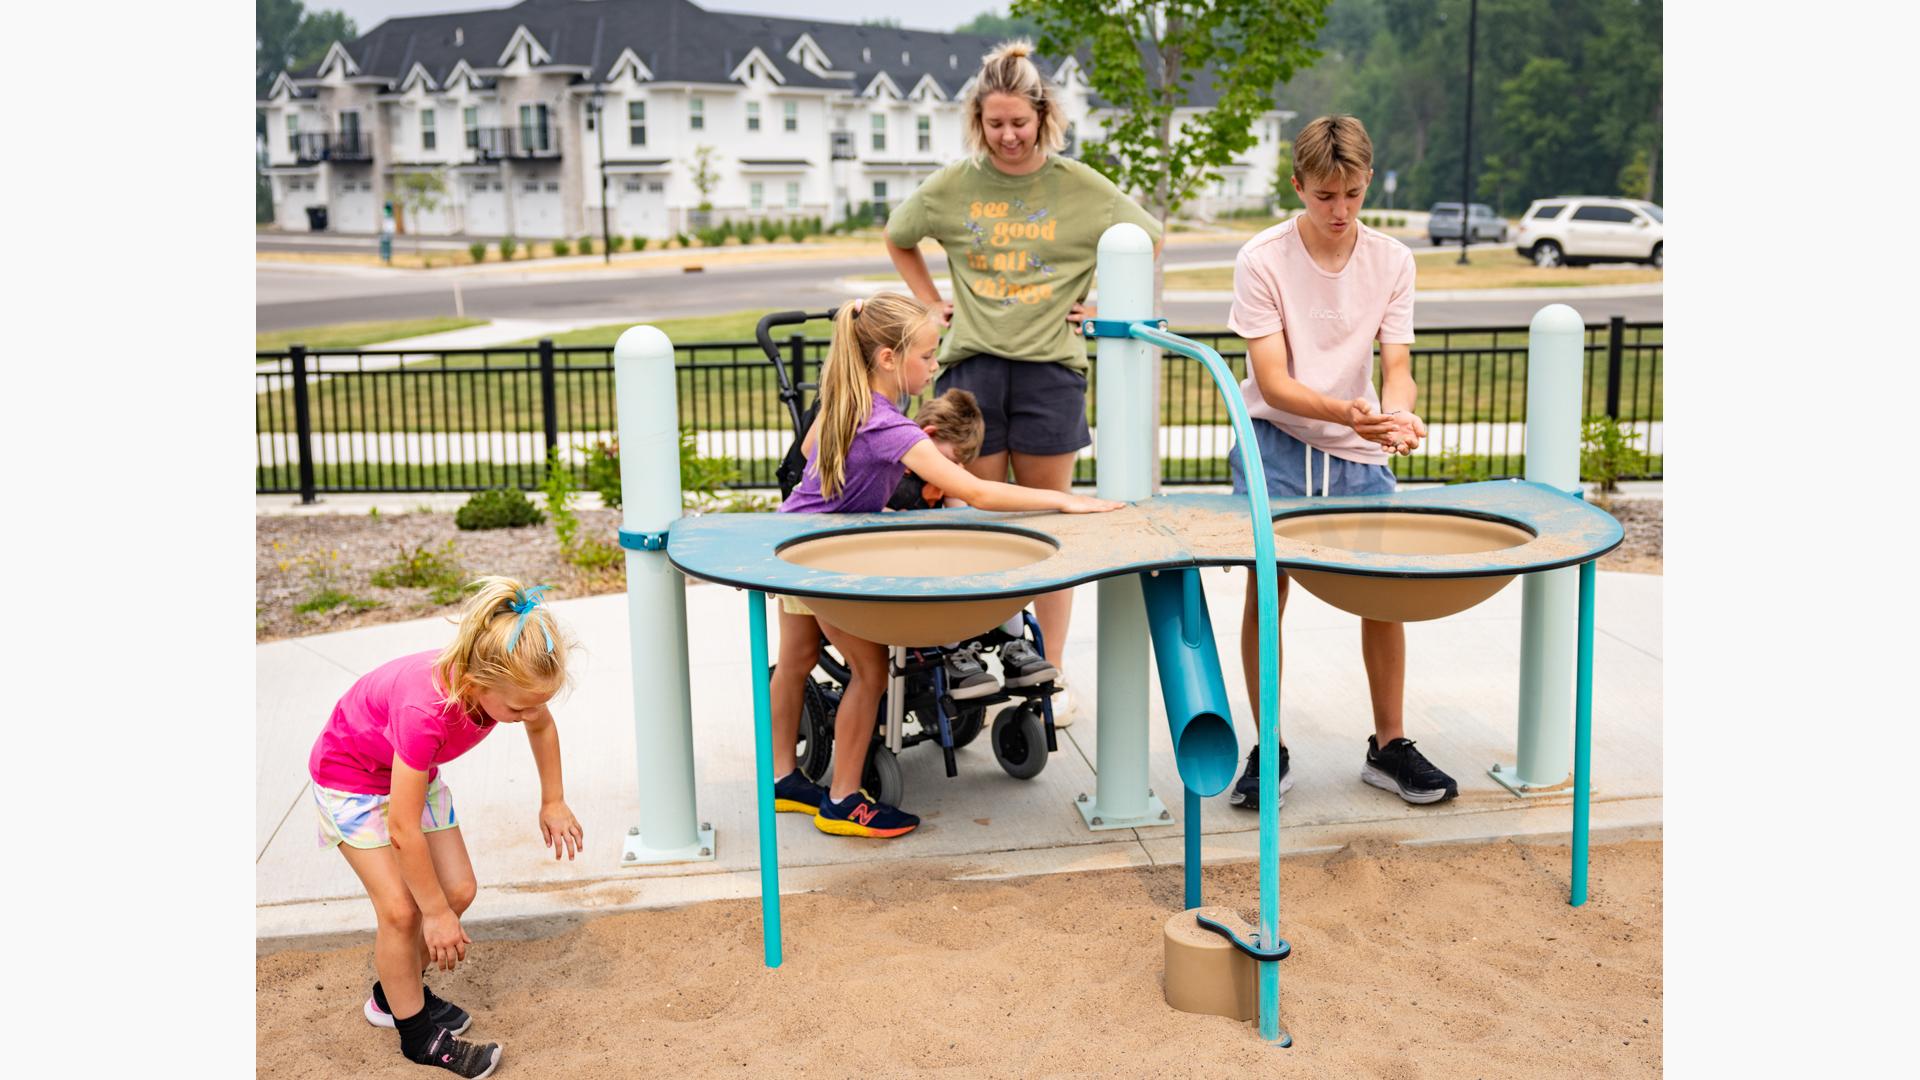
(290, 296)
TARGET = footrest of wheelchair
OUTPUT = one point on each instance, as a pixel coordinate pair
(1251, 948)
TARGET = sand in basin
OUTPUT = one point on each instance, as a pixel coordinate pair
(1409, 962)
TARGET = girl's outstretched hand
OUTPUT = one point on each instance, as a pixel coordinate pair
(560, 830)
(1087, 504)
(446, 941)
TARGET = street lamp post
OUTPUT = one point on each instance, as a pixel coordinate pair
(596, 114)
(1466, 149)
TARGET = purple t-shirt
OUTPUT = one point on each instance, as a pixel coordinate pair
(394, 708)
(873, 467)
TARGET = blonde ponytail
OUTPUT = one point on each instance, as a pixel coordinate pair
(860, 329)
(507, 637)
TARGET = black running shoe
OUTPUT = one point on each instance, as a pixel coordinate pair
(794, 794)
(967, 677)
(472, 1060)
(1401, 769)
(1023, 665)
(443, 1013)
(1246, 790)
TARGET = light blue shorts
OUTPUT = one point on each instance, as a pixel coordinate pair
(1288, 462)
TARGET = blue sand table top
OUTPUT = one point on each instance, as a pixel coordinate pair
(1165, 532)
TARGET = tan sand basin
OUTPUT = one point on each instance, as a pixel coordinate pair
(1399, 599)
(918, 552)
(1204, 972)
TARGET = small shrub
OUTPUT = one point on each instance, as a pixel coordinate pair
(770, 230)
(713, 236)
(603, 472)
(557, 486)
(423, 568)
(702, 476)
(508, 245)
(561, 247)
(501, 508)
(586, 245)
(616, 244)
(1607, 453)
(1459, 468)
(682, 240)
(478, 251)
(640, 243)
(326, 598)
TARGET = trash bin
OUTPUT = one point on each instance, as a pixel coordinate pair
(317, 218)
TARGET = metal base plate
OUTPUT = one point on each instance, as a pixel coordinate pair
(1099, 821)
(1508, 776)
(633, 853)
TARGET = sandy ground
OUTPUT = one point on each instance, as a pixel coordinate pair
(1408, 963)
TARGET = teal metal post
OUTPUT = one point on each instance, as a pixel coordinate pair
(645, 393)
(1124, 440)
(1556, 350)
(1583, 736)
(1192, 822)
(763, 777)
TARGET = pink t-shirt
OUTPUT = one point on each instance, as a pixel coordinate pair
(1330, 322)
(394, 708)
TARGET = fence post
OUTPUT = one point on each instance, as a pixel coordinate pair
(1616, 345)
(303, 425)
(549, 408)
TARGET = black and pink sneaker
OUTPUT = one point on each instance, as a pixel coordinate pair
(458, 1056)
(443, 1013)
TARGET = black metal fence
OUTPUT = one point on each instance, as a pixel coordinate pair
(465, 419)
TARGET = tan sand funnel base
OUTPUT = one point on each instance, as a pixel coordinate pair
(1205, 973)
(930, 552)
(1399, 599)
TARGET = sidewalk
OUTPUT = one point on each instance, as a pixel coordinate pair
(1462, 678)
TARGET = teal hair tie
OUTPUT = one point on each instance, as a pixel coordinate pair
(524, 601)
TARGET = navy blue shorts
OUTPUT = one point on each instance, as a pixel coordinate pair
(1031, 407)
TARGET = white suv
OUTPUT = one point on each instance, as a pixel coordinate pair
(1591, 228)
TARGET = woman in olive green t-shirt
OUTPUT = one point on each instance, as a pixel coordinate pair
(1020, 226)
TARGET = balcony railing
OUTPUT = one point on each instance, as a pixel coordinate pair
(316, 146)
(497, 143)
(843, 146)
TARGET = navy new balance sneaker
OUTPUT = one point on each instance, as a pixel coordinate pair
(1399, 768)
(1246, 790)
(794, 794)
(859, 814)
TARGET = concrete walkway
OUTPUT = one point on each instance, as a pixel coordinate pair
(1462, 678)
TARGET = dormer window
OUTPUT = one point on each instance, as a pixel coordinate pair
(952, 61)
(904, 61)
(866, 55)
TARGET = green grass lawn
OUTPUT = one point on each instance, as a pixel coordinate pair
(356, 335)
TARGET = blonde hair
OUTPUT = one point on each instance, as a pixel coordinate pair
(1330, 146)
(1006, 70)
(494, 648)
(885, 320)
(955, 419)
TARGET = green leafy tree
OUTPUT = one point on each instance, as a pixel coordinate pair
(421, 191)
(1002, 27)
(288, 37)
(705, 179)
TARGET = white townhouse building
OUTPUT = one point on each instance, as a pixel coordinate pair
(802, 118)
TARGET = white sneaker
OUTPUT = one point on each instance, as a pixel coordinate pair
(1063, 703)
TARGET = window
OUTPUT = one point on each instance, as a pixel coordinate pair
(1549, 212)
(533, 127)
(427, 132)
(637, 123)
(630, 185)
(880, 191)
(791, 111)
(924, 131)
(793, 194)
(697, 113)
(293, 133)
(553, 185)
(757, 195)
(470, 120)
(350, 132)
(753, 116)
(879, 131)
(1617, 215)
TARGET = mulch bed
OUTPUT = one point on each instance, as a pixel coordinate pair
(297, 557)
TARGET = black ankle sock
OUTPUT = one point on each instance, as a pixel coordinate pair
(416, 1032)
(380, 998)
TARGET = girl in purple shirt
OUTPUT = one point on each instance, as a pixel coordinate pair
(377, 786)
(861, 444)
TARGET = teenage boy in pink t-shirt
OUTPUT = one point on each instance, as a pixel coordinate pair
(1311, 296)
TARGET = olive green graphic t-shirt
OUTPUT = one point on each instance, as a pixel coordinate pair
(1020, 252)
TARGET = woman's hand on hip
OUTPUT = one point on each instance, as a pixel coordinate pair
(945, 309)
(1080, 311)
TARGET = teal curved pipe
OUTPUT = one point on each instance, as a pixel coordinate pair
(1204, 747)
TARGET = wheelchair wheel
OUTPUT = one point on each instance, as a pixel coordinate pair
(814, 752)
(1020, 741)
(882, 777)
(968, 725)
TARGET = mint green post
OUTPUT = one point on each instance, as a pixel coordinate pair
(1124, 442)
(645, 390)
(1556, 351)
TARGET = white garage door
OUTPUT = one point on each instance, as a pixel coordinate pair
(536, 208)
(640, 208)
(486, 199)
(354, 209)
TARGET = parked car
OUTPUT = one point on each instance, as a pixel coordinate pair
(1571, 229)
(1443, 223)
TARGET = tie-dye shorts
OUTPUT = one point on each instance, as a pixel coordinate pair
(360, 821)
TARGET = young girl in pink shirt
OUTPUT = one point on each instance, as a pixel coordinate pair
(382, 802)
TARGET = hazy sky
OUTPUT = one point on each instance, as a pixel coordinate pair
(946, 15)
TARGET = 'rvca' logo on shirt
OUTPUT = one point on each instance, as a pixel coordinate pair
(1324, 313)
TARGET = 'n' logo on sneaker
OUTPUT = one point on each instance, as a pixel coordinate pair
(863, 814)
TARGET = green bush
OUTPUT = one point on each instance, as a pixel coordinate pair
(508, 245)
(586, 245)
(424, 568)
(640, 243)
(702, 476)
(561, 247)
(500, 508)
(682, 239)
(616, 243)
(770, 230)
(1607, 453)
(603, 472)
(584, 552)
(478, 250)
(326, 598)
(1458, 468)
(713, 236)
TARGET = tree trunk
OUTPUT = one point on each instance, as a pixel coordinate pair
(1653, 166)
